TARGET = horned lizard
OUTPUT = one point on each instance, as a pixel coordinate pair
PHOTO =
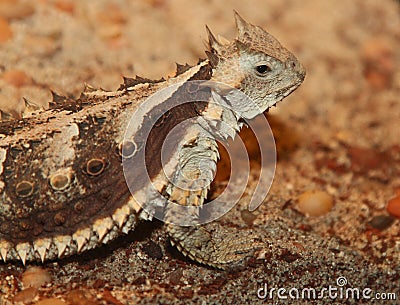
(63, 188)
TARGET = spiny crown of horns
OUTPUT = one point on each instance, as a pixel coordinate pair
(249, 38)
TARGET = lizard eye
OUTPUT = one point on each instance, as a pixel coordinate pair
(263, 69)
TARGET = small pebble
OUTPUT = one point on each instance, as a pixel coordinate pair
(35, 277)
(153, 250)
(66, 6)
(111, 21)
(381, 222)
(5, 30)
(16, 78)
(175, 277)
(26, 295)
(393, 207)
(113, 14)
(248, 217)
(365, 159)
(314, 203)
(15, 9)
(379, 64)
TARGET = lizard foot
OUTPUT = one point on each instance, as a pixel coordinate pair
(214, 245)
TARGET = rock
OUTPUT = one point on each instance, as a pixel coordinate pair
(381, 222)
(35, 277)
(26, 295)
(15, 9)
(16, 78)
(65, 5)
(5, 30)
(393, 207)
(377, 56)
(315, 203)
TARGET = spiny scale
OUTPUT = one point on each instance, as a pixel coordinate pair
(62, 187)
(62, 242)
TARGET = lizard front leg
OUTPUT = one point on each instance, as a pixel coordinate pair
(209, 244)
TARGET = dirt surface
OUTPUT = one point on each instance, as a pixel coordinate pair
(338, 134)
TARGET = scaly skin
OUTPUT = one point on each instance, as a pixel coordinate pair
(62, 186)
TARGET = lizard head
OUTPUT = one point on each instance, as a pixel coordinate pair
(255, 63)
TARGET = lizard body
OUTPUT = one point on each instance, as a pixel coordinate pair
(63, 189)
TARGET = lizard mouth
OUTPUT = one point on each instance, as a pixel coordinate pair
(280, 94)
(286, 91)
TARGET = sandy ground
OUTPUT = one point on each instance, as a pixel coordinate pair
(339, 134)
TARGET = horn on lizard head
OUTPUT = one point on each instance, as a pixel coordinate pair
(214, 48)
(213, 43)
(242, 25)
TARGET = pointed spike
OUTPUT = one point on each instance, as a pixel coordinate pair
(27, 102)
(181, 68)
(80, 242)
(241, 46)
(4, 248)
(9, 115)
(42, 253)
(223, 40)
(103, 226)
(130, 82)
(134, 205)
(57, 98)
(194, 199)
(126, 230)
(213, 43)
(88, 88)
(81, 238)
(168, 190)
(23, 250)
(204, 193)
(30, 107)
(127, 80)
(140, 79)
(41, 246)
(61, 243)
(101, 232)
(242, 25)
(5, 116)
(120, 215)
(213, 58)
(178, 67)
(3, 254)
